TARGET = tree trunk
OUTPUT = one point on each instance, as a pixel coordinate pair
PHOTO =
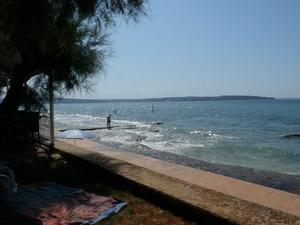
(14, 97)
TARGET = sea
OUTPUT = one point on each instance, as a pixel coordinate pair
(246, 133)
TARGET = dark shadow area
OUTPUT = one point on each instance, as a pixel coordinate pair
(33, 168)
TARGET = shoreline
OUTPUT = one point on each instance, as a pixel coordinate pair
(279, 181)
(198, 193)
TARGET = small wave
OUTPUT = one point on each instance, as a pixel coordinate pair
(223, 136)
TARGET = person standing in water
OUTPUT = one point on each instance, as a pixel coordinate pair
(108, 122)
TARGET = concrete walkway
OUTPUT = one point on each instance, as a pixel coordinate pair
(284, 203)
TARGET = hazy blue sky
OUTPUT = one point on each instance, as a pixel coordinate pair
(207, 48)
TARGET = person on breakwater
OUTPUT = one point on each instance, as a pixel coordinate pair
(108, 122)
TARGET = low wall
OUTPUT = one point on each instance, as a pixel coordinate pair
(184, 199)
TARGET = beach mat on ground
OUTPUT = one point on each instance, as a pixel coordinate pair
(55, 204)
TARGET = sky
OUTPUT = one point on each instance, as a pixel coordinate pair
(206, 48)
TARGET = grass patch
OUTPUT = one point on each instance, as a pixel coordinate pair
(33, 169)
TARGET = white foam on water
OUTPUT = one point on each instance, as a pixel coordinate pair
(243, 133)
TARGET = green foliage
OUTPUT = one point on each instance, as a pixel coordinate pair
(67, 40)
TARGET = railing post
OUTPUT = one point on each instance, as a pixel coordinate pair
(52, 140)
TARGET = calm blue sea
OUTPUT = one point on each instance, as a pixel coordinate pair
(242, 133)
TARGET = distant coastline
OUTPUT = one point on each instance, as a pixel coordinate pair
(167, 99)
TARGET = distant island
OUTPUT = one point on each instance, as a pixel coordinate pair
(168, 99)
